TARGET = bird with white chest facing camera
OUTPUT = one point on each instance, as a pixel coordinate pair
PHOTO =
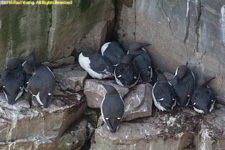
(203, 99)
(13, 81)
(163, 94)
(126, 74)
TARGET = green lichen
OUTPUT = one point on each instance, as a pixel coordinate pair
(5, 29)
(15, 33)
(11, 141)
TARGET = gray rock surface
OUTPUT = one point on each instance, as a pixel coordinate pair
(181, 129)
(180, 32)
(70, 77)
(138, 102)
(94, 91)
(60, 62)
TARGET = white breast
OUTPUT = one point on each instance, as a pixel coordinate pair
(85, 64)
(20, 93)
(104, 47)
(157, 104)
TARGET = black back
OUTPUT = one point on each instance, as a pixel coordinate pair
(162, 89)
(42, 80)
(112, 108)
(101, 64)
(114, 53)
(136, 46)
(183, 84)
(143, 64)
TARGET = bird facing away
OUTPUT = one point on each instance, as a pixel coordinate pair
(163, 94)
(42, 82)
(142, 61)
(113, 52)
(112, 108)
(96, 65)
(183, 83)
(126, 74)
(203, 99)
(13, 80)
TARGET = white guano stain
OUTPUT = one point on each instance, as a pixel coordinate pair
(223, 24)
(187, 10)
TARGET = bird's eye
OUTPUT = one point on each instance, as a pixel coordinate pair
(107, 118)
(194, 103)
(118, 118)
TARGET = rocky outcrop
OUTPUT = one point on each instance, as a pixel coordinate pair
(180, 32)
(138, 102)
(177, 130)
(94, 91)
(38, 128)
(55, 30)
(70, 77)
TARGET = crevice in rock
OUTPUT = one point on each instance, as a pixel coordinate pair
(135, 19)
(168, 19)
(198, 24)
(114, 36)
(202, 56)
(220, 87)
(188, 23)
(186, 48)
(49, 40)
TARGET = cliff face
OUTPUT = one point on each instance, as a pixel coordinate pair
(181, 32)
(53, 30)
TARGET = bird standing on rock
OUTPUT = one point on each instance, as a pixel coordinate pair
(183, 83)
(42, 82)
(126, 74)
(113, 52)
(203, 99)
(142, 61)
(112, 108)
(13, 80)
(163, 94)
(96, 65)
